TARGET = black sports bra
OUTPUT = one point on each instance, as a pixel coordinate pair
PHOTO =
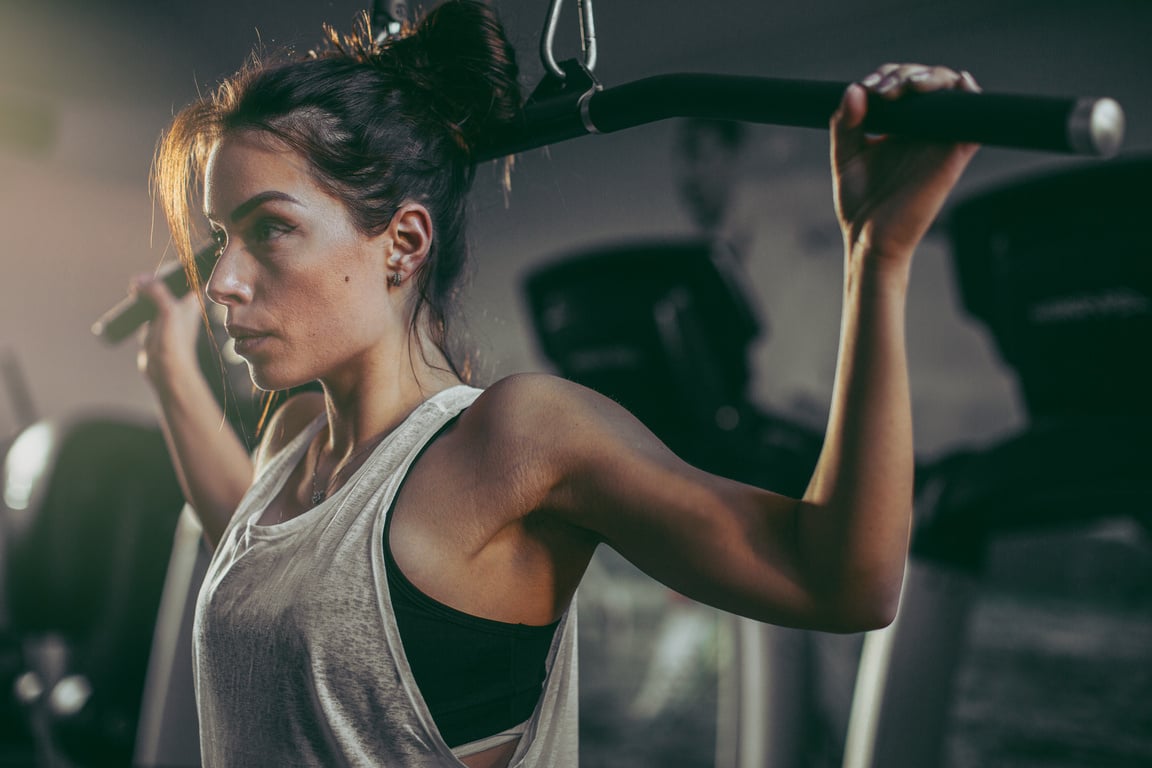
(478, 676)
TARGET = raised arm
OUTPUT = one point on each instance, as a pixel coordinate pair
(888, 191)
(834, 559)
(213, 466)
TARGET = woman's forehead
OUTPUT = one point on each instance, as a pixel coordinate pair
(242, 164)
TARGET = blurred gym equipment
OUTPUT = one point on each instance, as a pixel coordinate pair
(90, 509)
(667, 337)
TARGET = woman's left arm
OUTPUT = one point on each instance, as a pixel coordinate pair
(834, 559)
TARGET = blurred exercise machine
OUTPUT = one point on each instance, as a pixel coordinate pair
(90, 506)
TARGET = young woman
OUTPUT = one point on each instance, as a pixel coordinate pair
(395, 565)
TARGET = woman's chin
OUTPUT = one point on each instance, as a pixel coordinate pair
(269, 380)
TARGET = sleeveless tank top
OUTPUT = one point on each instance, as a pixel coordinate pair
(297, 657)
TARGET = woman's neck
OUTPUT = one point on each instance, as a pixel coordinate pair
(382, 393)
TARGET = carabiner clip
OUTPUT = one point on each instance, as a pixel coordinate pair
(587, 37)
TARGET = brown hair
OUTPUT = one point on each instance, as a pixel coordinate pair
(379, 124)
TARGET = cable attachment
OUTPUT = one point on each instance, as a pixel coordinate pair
(587, 37)
(557, 100)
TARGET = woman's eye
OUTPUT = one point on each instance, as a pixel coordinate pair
(269, 229)
(220, 238)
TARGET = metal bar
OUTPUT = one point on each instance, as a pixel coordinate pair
(1088, 126)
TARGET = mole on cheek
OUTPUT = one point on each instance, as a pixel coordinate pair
(345, 278)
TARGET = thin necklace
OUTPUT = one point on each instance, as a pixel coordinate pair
(319, 494)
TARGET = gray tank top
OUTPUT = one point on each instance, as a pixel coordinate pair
(297, 657)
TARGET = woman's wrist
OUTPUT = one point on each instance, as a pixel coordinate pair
(874, 267)
(169, 372)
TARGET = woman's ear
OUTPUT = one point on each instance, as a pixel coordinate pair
(411, 235)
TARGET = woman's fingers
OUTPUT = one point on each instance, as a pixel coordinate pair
(888, 192)
(891, 81)
(968, 83)
(848, 138)
(172, 333)
(153, 289)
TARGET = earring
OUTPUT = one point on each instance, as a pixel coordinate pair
(395, 279)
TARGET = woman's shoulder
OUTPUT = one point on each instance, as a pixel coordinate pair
(543, 412)
(288, 421)
(524, 400)
(523, 433)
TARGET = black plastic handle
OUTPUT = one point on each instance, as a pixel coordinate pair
(120, 321)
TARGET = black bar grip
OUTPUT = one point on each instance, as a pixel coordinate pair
(1087, 126)
(120, 321)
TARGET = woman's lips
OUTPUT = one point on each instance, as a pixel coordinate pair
(247, 340)
(246, 345)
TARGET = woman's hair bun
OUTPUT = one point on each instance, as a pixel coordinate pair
(460, 53)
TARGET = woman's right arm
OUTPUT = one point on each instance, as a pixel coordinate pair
(212, 465)
(834, 559)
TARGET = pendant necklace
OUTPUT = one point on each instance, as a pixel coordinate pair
(319, 494)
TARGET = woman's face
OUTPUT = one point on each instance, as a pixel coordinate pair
(304, 291)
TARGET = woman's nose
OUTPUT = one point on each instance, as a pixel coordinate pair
(227, 284)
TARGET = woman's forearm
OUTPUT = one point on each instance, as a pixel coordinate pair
(854, 527)
(212, 464)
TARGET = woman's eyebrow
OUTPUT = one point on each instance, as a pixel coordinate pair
(254, 202)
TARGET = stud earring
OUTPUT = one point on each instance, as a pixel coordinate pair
(395, 279)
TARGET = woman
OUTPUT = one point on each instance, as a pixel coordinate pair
(395, 564)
